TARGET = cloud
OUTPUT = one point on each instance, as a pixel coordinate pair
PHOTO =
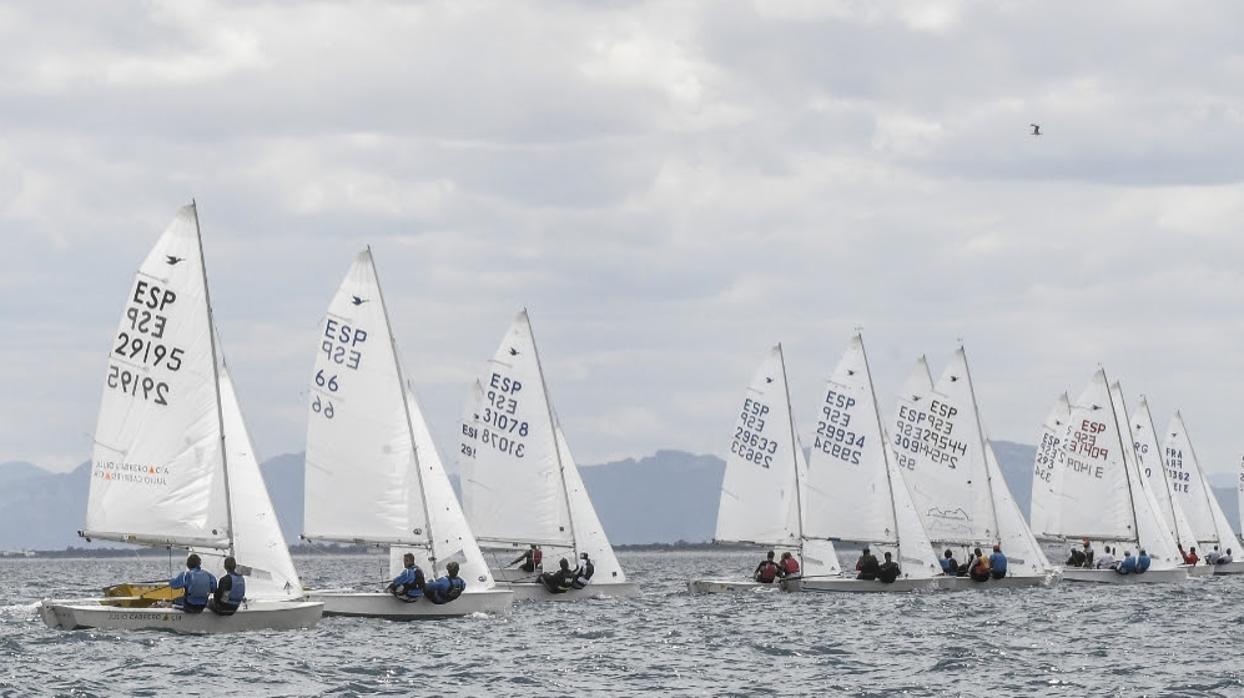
(670, 188)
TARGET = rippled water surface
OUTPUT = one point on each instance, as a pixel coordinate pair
(1067, 640)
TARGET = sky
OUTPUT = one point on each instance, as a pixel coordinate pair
(669, 187)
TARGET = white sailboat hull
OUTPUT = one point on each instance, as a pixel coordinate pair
(255, 615)
(721, 585)
(1017, 582)
(852, 585)
(534, 591)
(358, 604)
(1106, 576)
(1205, 570)
(1229, 568)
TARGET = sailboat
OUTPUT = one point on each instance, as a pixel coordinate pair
(1191, 488)
(172, 463)
(1149, 457)
(373, 475)
(520, 484)
(956, 482)
(1045, 505)
(760, 492)
(1097, 494)
(854, 490)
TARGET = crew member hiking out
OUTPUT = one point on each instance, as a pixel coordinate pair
(447, 588)
(1127, 565)
(979, 571)
(866, 566)
(408, 585)
(767, 571)
(1142, 562)
(789, 565)
(531, 559)
(583, 573)
(558, 582)
(888, 571)
(230, 591)
(997, 563)
(198, 584)
(1190, 557)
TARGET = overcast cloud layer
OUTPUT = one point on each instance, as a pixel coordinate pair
(669, 187)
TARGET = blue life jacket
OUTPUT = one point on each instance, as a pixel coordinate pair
(946, 566)
(198, 583)
(405, 583)
(237, 588)
(1128, 565)
(1142, 563)
(444, 589)
(997, 562)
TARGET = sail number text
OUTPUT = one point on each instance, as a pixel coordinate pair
(146, 319)
(749, 443)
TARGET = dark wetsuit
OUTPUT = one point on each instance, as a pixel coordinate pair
(867, 567)
(583, 575)
(888, 572)
(558, 582)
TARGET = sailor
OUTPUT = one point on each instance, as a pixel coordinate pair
(198, 584)
(866, 566)
(949, 566)
(788, 566)
(230, 591)
(558, 582)
(979, 572)
(888, 571)
(1226, 558)
(1076, 559)
(1128, 565)
(447, 588)
(1190, 557)
(1088, 554)
(531, 559)
(408, 586)
(583, 573)
(1142, 562)
(997, 563)
(767, 571)
(1106, 561)
(1211, 558)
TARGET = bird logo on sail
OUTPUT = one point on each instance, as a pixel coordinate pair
(357, 300)
(513, 351)
(172, 261)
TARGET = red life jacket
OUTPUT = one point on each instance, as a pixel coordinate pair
(768, 571)
(537, 556)
(790, 565)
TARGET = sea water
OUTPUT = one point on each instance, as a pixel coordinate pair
(1069, 640)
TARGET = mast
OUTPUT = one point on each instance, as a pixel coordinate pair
(980, 433)
(885, 443)
(1122, 452)
(410, 432)
(220, 414)
(1166, 480)
(794, 447)
(561, 466)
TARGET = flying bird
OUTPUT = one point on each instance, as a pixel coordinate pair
(173, 260)
(1036, 129)
(358, 301)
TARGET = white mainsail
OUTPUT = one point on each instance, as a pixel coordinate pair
(1240, 494)
(1049, 467)
(937, 436)
(361, 473)
(1149, 456)
(853, 489)
(760, 489)
(1023, 551)
(513, 489)
(157, 462)
(1193, 492)
(1152, 532)
(373, 474)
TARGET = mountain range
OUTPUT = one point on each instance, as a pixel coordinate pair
(667, 497)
